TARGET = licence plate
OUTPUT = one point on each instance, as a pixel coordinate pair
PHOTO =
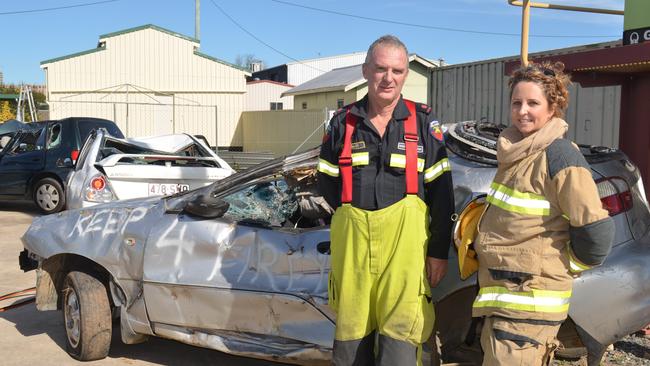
(158, 189)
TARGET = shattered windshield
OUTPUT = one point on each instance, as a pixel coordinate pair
(267, 204)
(288, 201)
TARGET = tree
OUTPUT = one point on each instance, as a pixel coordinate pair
(39, 98)
(5, 111)
(247, 60)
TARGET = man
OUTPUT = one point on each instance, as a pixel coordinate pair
(384, 167)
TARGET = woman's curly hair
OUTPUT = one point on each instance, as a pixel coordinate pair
(552, 79)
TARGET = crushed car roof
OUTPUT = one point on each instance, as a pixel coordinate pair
(164, 143)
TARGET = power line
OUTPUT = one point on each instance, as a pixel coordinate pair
(56, 8)
(389, 21)
(259, 40)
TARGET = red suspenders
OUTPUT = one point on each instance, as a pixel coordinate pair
(345, 159)
(410, 140)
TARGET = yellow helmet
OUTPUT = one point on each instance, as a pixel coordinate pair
(465, 231)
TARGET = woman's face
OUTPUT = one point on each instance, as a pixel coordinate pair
(529, 109)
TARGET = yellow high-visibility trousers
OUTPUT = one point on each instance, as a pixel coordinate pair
(377, 281)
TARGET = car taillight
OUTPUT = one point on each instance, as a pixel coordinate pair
(98, 190)
(98, 183)
(614, 194)
(74, 155)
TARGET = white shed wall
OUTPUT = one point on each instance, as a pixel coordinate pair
(298, 73)
(259, 96)
(139, 114)
(150, 58)
(136, 66)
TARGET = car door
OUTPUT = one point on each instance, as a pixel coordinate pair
(20, 161)
(251, 271)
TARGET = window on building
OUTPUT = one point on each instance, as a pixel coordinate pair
(339, 103)
(304, 105)
(276, 106)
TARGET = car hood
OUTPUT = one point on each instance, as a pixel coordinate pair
(68, 227)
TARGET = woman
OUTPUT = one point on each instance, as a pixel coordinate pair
(544, 223)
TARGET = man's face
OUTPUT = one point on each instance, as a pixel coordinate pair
(386, 73)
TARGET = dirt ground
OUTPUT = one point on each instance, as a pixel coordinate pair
(28, 336)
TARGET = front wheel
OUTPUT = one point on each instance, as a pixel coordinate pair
(86, 317)
(49, 195)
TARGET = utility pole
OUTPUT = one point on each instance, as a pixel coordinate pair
(525, 18)
(197, 19)
(525, 21)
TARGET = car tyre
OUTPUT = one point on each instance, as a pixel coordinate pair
(49, 195)
(86, 317)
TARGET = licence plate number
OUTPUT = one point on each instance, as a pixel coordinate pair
(158, 189)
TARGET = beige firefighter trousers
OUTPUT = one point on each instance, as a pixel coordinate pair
(511, 342)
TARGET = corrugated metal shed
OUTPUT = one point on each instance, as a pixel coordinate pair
(261, 93)
(477, 90)
(300, 72)
(342, 79)
(150, 80)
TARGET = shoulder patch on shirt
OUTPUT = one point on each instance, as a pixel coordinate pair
(425, 108)
(561, 154)
(435, 130)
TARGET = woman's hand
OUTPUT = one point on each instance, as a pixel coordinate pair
(436, 270)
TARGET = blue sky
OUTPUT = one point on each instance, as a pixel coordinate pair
(296, 31)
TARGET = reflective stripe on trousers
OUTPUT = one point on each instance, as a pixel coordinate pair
(377, 280)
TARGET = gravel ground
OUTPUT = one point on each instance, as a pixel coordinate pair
(633, 350)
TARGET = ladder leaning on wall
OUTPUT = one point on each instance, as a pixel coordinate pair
(26, 96)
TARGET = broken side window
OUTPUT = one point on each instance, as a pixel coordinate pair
(5, 139)
(30, 141)
(54, 138)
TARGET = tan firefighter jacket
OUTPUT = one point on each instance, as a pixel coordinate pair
(544, 222)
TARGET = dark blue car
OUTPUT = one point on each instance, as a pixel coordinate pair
(36, 158)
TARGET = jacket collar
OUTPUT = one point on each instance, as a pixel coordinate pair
(360, 109)
(513, 147)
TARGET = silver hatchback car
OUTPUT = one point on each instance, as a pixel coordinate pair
(241, 266)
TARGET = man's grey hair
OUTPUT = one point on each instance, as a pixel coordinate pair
(386, 40)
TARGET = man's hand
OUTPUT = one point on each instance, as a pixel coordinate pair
(436, 270)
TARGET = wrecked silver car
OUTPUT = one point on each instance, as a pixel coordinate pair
(241, 266)
(111, 168)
